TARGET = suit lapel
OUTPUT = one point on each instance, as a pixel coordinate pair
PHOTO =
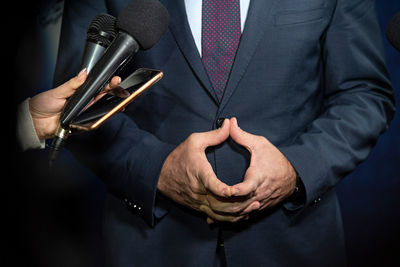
(180, 29)
(253, 32)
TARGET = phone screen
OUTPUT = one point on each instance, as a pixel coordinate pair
(136, 83)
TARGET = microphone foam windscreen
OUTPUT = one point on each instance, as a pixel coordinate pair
(393, 31)
(144, 20)
(102, 30)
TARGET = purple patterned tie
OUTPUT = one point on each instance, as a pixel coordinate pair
(220, 39)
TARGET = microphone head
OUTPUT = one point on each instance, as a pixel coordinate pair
(145, 21)
(102, 30)
(393, 31)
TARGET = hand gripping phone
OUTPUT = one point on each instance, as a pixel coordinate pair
(136, 83)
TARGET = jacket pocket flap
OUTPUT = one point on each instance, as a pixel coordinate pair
(297, 17)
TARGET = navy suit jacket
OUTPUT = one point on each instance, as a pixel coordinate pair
(309, 75)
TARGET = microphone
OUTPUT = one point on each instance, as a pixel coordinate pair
(393, 31)
(100, 34)
(139, 26)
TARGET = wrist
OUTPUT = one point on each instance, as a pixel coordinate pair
(45, 124)
(45, 128)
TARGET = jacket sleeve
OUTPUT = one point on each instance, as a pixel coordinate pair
(127, 159)
(358, 102)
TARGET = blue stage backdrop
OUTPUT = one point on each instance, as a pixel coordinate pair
(60, 219)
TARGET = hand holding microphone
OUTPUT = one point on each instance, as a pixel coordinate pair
(139, 26)
(45, 108)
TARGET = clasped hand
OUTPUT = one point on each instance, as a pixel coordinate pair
(188, 178)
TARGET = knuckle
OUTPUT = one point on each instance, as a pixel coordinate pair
(193, 139)
(258, 143)
(213, 206)
(248, 188)
(235, 219)
(193, 136)
(195, 187)
(192, 195)
(261, 138)
(72, 82)
(235, 209)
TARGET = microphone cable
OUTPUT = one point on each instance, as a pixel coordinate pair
(57, 145)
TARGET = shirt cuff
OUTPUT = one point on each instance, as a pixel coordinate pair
(26, 133)
(298, 199)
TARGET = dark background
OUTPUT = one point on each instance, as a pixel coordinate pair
(55, 220)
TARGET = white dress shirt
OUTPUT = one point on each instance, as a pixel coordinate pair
(194, 10)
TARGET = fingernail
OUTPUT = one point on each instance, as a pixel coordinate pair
(225, 192)
(119, 80)
(235, 191)
(82, 72)
(125, 93)
(237, 124)
(255, 205)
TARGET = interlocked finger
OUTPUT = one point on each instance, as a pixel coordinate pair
(219, 217)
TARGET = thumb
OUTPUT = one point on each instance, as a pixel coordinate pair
(68, 88)
(212, 183)
(241, 137)
(216, 137)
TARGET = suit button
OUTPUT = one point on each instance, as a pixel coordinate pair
(131, 206)
(317, 200)
(136, 208)
(219, 122)
(127, 202)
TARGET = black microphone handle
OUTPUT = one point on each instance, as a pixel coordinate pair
(116, 55)
(92, 53)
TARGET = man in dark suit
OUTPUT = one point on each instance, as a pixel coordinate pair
(308, 86)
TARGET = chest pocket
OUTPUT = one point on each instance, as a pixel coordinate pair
(299, 11)
(299, 5)
(299, 17)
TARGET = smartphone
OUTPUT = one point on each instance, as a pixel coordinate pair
(136, 83)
